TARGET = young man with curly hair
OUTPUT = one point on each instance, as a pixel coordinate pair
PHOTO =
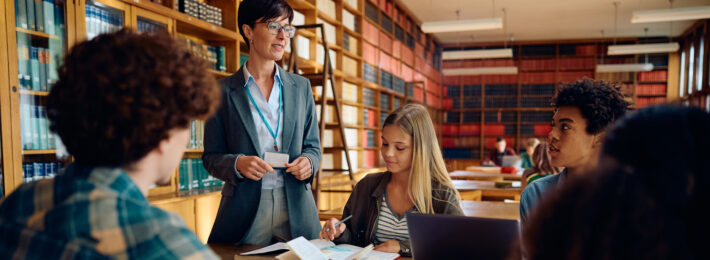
(583, 111)
(122, 107)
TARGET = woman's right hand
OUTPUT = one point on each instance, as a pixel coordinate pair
(253, 167)
(329, 231)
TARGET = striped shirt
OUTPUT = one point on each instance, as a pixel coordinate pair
(390, 225)
(91, 213)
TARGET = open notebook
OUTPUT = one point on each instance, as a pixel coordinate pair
(300, 248)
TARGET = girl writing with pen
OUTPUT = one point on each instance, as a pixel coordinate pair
(416, 180)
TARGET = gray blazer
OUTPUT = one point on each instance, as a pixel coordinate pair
(231, 131)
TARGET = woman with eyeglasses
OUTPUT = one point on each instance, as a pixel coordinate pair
(263, 141)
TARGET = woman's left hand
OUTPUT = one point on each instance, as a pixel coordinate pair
(300, 168)
(390, 246)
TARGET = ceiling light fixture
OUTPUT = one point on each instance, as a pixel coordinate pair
(673, 14)
(643, 48)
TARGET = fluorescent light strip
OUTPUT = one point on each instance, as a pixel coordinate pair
(462, 25)
(480, 71)
(643, 48)
(477, 54)
(674, 14)
(624, 67)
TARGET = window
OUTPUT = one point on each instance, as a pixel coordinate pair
(691, 68)
(682, 73)
(701, 56)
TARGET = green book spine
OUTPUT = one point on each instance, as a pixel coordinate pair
(34, 69)
(26, 124)
(201, 137)
(41, 54)
(42, 117)
(59, 20)
(39, 15)
(23, 60)
(30, 5)
(193, 132)
(53, 58)
(192, 178)
(221, 58)
(35, 127)
(21, 13)
(48, 8)
(181, 175)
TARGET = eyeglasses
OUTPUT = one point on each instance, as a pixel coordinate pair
(275, 28)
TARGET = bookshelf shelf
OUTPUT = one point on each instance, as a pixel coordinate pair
(36, 33)
(351, 9)
(35, 93)
(38, 152)
(220, 74)
(204, 30)
(301, 5)
(328, 19)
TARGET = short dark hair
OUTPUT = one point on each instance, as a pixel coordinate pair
(119, 95)
(600, 102)
(651, 195)
(253, 11)
(499, 138)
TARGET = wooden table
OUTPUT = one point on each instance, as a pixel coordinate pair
(488, 169)
(487, 188)
(231, 252)
(483, 176)
(491, 209)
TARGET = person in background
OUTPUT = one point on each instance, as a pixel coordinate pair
(266, 113)
(416, 181)
(122, 106)
(646, 200)
(495, 157)
(541, 165)
(583, 111)
(525, 157)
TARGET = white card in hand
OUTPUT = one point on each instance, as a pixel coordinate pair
(277, 160)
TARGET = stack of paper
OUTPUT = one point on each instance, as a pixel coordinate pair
(317, 249)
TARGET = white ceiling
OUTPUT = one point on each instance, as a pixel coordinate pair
(530, 20)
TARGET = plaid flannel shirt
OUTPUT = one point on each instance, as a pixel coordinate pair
(91, 213)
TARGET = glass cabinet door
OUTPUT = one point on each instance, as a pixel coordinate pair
(41, 42)
(146, 21)
(103, 16)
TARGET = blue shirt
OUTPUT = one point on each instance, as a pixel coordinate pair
(270, 109)
(533, 192)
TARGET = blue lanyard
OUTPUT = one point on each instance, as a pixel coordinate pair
(278, 121)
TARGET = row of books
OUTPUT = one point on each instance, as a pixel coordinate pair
(383, 117)
(102, 20)
(36, 68)
(35, 127)
(371, 11)
(452, 117)
(615, 76)
(349, 91)
(468, 141)
(651, 89)
(350, 66)
(649, 101)
(330, 32)
(500, 116)
(350, 43)
(351, 136)
(369, 73)
(536, 129)
(501, 90)
(34, 171)
(471, 116)
(536, 116)
(349, 114)
(197, 135)
(537, 89)
(500, 102)
(202, 11)
(653, 76)
(40, 15)
(368, 97)
(369, 117)
(214, 55)
(368, 138)
(535, 101)
(461, 153)
(146, 25)
(384, 101)
(192, 175)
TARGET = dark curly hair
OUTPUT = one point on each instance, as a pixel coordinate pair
(119, 95)
(644, 202)
(600, 102)
(252, 11)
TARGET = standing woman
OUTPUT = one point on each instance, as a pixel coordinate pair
(416, 181)
(265, 112)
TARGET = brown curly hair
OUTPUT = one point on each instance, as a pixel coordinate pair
(120, 94)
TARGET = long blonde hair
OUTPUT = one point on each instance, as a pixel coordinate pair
(427, 161)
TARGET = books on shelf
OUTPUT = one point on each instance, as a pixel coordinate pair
(370, 53)
(200, 10)
(349, 91)
(369, 73)
(102, 20)
(33, 171)
(214, 55)
(349, 115)
(369, 117)
(349, 66)
(350, 44)
(536, 116)
(192, 175)
(651, 89)
(368, 97)
(535, 101)
(537, 89)
(146, 25)
(304, 47)
(653, 76)
(298, 18)
(327, 7)
(349, 20)
(197, 135)
(320, 56)
(368, 138)
(649, 101)
(329, 31)
(615, 76)
(34, 126)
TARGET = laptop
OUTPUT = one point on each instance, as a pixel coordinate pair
(460, 237)
(509, 160)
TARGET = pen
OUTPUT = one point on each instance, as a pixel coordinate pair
(339, 222)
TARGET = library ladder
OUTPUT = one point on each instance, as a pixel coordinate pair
(320, 79)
